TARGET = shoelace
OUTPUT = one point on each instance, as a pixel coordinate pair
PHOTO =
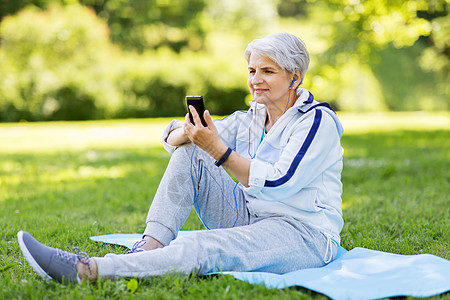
(136, 247)
(83, 257)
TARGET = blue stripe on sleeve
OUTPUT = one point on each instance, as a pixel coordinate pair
(301, 153)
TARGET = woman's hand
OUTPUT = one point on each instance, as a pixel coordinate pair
(208, 139)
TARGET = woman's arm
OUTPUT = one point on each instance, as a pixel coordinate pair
(208, 139)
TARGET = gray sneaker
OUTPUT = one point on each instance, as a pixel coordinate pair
(51, 263)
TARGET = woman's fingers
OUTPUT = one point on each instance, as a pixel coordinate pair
(195, 116)
(208, 118)
(209, 121)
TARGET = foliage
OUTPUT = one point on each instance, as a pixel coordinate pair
(392, 66)
(176, 24)
(49, 60)
(71, 71)
(361, 27)
(90, 59)
(137, 24)
(352, 36)
(157, 81)
(66, 181)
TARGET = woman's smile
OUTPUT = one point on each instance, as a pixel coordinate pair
(260, 91)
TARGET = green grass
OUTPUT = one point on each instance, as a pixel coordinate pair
(66, 181)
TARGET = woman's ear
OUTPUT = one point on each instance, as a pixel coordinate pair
(298, 78)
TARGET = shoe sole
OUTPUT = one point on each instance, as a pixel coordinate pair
(33, 263)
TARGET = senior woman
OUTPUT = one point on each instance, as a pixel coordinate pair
(284, 213)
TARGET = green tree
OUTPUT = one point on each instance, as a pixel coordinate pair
(137, 24)
(50, 63)
(367, 54)
(142, 24)
(354, 37)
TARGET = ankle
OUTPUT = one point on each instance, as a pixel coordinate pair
(87, 271)
(151, 243)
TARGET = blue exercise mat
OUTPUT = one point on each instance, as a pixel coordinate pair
(356, 274)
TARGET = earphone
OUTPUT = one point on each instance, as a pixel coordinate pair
(293, 80)
(289, 98)
(196, 204)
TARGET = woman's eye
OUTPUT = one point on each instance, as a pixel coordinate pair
(251, 71)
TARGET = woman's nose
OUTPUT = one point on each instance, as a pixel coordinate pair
(257, 79)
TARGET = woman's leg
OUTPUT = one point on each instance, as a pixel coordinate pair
(192, 179)
(276, 244)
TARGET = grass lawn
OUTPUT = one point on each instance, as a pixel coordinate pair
(66, 181)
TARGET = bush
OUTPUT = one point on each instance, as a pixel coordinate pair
(69, 103)
(231, 99)
(152, 97)
(156, 82)
(49, 61)
(59, 64)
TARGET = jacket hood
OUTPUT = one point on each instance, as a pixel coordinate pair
(306, 102)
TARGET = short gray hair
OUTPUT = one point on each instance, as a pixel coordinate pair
(285, 49)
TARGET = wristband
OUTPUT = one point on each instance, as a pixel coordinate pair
(223, 158)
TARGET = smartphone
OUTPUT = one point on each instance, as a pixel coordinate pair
(197, 103)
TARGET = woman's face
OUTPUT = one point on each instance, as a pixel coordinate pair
(268, 82)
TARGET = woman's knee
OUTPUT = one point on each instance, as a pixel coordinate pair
(192, 153)
(184, 149)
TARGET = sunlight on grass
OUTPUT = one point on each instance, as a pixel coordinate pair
(391, 121)
(83, 172)
(51, 137)
(143, 133)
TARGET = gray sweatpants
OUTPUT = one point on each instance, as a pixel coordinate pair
(236, 241)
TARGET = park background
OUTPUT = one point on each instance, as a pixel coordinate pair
(104, 78)
(103, 59)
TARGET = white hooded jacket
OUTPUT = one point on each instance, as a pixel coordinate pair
(296, 168)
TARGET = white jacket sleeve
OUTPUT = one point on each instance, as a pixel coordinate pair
(312, 148)
(172, 126)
